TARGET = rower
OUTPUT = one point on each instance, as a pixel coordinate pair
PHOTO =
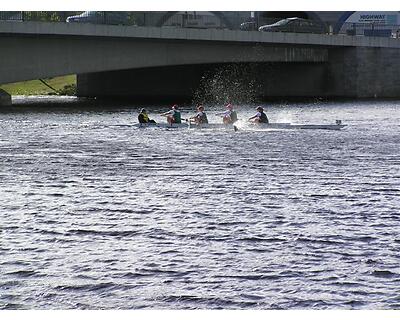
(229, 116)
(200, 117)
(173, 116)
(143, 117)
(260, 116)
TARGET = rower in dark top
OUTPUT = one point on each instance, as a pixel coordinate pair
(143, 117)
(260, 116)
(200, 117)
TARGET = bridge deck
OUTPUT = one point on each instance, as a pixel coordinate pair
(168, 33)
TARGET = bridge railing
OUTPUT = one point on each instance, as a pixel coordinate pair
(46, 16)
(137, 18)
(184, 19)
(201, 20)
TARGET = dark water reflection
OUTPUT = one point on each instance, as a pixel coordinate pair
(97, 214)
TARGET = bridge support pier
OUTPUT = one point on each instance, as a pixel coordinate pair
(5, 98)
(364, 72)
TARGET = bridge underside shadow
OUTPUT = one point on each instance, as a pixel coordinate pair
(242, 82)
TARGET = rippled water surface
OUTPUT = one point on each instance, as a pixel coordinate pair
(97, 214)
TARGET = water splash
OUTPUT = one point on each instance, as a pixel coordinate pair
(232, 83)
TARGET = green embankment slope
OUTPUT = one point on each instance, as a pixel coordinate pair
(64, 85)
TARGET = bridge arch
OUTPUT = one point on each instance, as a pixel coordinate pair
(342, 20)
(218, 14)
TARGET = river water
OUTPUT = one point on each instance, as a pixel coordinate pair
(97, 214)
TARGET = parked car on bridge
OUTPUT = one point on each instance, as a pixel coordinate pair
(100, 17)
(294, 25)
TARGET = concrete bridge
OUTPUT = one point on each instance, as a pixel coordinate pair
(162, 62)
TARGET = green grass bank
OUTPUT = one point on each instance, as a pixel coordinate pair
(65, 85)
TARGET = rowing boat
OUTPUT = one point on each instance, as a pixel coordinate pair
(186, 125)
(161, 125)
(274, 125)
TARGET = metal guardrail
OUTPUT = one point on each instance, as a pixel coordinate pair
(231, 20)
(99, 17)
(180, 20)
(177, 19)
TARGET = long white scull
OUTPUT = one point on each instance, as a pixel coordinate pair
(277, 125)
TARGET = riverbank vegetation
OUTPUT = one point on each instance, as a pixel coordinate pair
(65, 85)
